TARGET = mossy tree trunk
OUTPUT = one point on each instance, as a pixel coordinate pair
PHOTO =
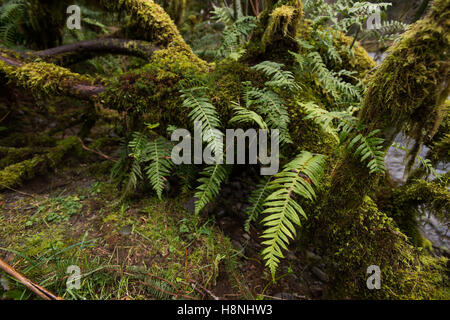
(405, 94)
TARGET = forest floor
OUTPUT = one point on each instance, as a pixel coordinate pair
(139, 248)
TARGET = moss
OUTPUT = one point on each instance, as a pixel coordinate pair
(148, 21)
(402, 205)
(283, 20)
(408, 90)
(356, 60)
(275, 33)
(9, 156)
(151, 94)
(46, 79)
(374, 239)
(15, 174)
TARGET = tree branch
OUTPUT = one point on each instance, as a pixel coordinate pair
(47, 78)
(80, 51)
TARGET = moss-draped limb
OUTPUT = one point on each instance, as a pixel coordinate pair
(15, 174)
(405, 94)
(149, 22)
(45, 79)
(276, 30)
(408, 89)
(403, 203)
(84, 50)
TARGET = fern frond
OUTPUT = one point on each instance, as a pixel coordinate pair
(202, 110)
(244, 115)
(368, 147)
(212, 177)
(160, 165)
(297, 178)
(256, 200)
(236, 32)
(273, 107)
(278, 77)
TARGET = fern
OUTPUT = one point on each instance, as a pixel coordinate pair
(256, 200)
(244, 115)
(332, 81)
(368, 147)
(138, 148)
(272, 106)
(282, 209)
(279, 77)
(212, 177)
(203, 111)
(12, 15)
(155, 155)
(158, 153)
(236, 33)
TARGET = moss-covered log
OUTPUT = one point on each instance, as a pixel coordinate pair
(14, 174)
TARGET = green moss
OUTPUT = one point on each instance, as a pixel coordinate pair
(356, 60)
(15, 174)
(402, 205)
(148, 21)
(408, 90)
(46, 79)
(10, 156)
(374, 239)
(275, 33)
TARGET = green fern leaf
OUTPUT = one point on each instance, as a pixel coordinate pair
(203, 111)
(256, 200)
(212, 177)
(160, 165)
(297, 178)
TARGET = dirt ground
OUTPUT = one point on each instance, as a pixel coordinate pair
(136, 248)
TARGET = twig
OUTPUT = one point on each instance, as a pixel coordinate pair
(21, 192)
(6, 116)
(95, 151)
(176, 295)
(255, 12)
(37, 289)
(195, 284)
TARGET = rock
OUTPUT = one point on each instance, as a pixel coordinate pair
(284, 296)
(189, 206)
(237, 245)
(126, 230)
(311, 256)
(322, 276)
(221, 213)
(246, 236)
(316, 291)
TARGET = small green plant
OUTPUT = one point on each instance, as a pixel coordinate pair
(57, 210)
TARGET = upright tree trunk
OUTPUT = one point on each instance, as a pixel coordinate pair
(406, 93)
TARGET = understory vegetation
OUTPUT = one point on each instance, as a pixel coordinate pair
(88, 179)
